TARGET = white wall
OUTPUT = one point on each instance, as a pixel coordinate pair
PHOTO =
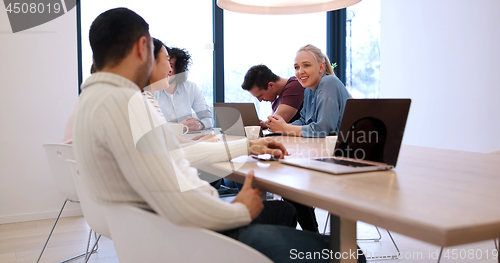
(445, 56)
(38, 79)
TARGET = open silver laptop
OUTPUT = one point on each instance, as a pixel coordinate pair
(233, 117)
(369, 138)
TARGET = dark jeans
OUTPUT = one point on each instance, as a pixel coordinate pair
(277, 213)
(306, 216)
(284, 244)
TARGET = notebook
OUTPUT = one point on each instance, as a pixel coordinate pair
(369, 138)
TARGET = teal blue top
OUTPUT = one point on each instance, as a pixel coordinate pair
(323, 108)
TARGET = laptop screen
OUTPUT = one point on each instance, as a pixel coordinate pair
(232, 117)
(372, 129)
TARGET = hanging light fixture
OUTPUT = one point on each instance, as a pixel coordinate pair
(283, 7)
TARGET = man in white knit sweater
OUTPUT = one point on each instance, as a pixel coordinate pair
(145, 172)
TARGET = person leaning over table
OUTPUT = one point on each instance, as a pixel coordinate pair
(183, 95)
(324, 98)
(286, 95)
(152, 172)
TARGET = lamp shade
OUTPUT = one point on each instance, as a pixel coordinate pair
(283, 7)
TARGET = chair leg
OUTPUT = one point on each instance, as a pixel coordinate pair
(87, 252)
(93, 250)
(88, 244)
(50, 234)
(496, 247)
(373, 239)
(394, 243)
(440, 253)
(95, 237)
(326, 223)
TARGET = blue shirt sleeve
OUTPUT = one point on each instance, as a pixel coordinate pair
(327, 109)
(301, 121)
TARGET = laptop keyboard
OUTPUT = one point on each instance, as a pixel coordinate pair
(343, 162)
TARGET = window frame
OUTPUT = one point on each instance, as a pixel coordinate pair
(335, 42)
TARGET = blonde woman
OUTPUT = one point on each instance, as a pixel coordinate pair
(324, 98)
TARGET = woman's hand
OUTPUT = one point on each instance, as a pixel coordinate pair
(277, 124)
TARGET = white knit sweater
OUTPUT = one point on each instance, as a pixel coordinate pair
(131, 163)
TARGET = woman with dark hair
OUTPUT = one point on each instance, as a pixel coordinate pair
(159, 81)
(183, 95)
(159, 74)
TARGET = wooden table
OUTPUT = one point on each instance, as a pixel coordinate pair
(442, 197)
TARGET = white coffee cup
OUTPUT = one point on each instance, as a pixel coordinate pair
(179, 128)
(252, 132)
(330, 142)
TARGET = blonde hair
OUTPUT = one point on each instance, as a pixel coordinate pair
(319, 56)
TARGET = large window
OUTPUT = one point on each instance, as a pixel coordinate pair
(263, 39)
(363, 49)
(249, 40)
(176, 23)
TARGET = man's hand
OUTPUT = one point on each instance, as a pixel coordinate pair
(263, 125)
(193, 124)
(267, 145)
(250, 197)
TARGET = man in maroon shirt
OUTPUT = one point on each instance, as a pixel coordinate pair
(286, 95)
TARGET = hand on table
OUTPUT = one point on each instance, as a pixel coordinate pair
(250, 197)
(277, 124)
(193, 124)
(268, 145)
(263, 125)
(206, 138)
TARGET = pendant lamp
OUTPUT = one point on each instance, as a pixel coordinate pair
(283, 7)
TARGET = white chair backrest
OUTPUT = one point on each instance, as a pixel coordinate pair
(142, 236)
(92, 211)
(57, 153)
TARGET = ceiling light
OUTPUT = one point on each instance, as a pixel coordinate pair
(283, 7)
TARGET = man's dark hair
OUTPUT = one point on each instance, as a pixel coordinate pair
(157, 46)
(113, 34)
(182, 63)
(260, 76)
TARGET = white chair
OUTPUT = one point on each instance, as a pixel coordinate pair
(57, 153)
(92, 211)
(142, 236)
